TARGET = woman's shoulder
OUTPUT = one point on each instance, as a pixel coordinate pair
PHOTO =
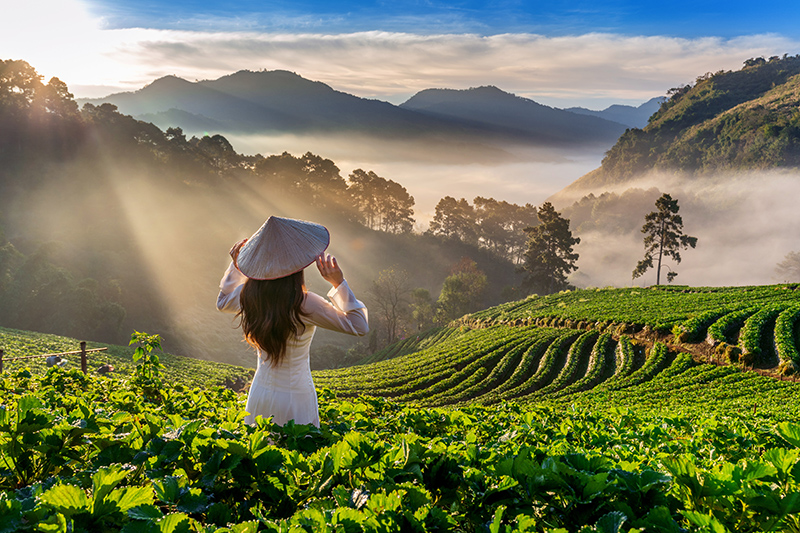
(313, 302)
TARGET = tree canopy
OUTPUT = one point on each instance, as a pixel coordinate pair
(663, 237)
(549, 257)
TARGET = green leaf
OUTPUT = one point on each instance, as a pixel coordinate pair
(498, 519)
(782, 458)
(193, 501)
(129, 497)
(707, 522)
(56, 523)
(245, 527)
(66, 499)
(790, 433)
(236, 448)
(26, 403)
(611, 522)
(175, 523)
(10, 514)
(104, 480)
(167, 489)
(145, 512)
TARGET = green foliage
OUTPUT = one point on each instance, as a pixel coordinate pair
(549, 257)
(496, 225)
(148, 365)
(462, 292)
(744, 119)
(380, 203)
(663, 237)
(101, 457)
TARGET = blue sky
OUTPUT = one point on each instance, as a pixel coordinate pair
(580, 53)
(678, 18)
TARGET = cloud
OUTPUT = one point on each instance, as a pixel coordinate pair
(594, 68)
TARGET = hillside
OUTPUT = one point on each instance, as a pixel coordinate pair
(727, 121)
(603, 341)
(109, 224)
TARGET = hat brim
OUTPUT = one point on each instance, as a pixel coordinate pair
(282, 247)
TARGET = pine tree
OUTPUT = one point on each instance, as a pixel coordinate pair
(549, 257)
(663, 230)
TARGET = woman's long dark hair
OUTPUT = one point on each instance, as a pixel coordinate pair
(271, 313)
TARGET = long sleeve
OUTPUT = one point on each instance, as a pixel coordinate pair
(229, 289)
(343, 313)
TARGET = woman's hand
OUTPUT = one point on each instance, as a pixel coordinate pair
(235, 249)
(329, 269)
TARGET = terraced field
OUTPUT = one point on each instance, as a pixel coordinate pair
(560, 348)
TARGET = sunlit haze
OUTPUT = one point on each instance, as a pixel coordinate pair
(564, 54)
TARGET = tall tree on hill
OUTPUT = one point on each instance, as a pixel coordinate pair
(663, 236)
(549, 257)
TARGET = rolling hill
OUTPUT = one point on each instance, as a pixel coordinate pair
(725, 122)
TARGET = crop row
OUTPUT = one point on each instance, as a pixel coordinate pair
(575, 365)
(660, 307)
(786, 335)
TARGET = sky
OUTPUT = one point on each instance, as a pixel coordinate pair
(560, 53)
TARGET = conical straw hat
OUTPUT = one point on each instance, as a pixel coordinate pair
(282, 246)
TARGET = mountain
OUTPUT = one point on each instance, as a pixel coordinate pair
(502, 112)
(728, 121)
(633, 117)
(282, 102)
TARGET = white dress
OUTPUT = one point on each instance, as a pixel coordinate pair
(286, 391)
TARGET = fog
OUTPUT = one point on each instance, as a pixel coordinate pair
(745, 224)
(433, 169)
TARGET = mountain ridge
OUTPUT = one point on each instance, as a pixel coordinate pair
(285, 102)
(631, 116)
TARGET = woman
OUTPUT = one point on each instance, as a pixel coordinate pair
(264, 286)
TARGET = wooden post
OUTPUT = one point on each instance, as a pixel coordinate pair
(83, 356)
(1, 361)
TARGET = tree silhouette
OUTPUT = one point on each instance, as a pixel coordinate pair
(663, 230)
(390, 294)
(454, 218)
(381, 204)
(549, 257)
(788, 270)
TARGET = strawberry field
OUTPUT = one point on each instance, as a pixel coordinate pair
(529, 417)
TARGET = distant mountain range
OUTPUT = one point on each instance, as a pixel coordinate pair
(729, 121)
(633, 117)
(278, 102)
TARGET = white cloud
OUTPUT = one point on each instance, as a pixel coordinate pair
(60, 38)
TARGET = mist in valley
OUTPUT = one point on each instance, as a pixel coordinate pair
(432, 169)
(745, 222)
